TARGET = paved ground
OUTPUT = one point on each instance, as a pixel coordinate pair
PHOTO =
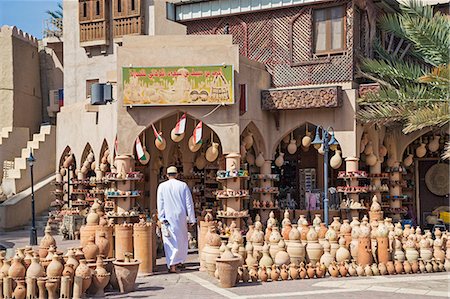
(194, 284)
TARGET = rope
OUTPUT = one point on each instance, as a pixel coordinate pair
(214, 110)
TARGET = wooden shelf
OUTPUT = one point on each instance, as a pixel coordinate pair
(233, 177)
(233, 217)
(121, 196)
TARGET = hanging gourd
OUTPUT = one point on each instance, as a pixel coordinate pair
(306, 140)
(248, 141)
(286, 139)
(336, 160)
(90, 157)
(260, 160)
(408, 161)
(213, 151)
(292, 147)
(434, 144)
(368, 149)
(371, 159)
(250, 158)
(320, 150)
(200, 162)
(279, 161)
(382, 151)
(421, 151)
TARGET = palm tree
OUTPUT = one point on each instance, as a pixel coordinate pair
(56, 16)
(414, 78)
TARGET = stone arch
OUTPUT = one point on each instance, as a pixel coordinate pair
(86, 151)
(103, 149)
(67, 151)
(259, 143)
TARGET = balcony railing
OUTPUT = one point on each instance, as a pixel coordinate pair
(93, 33)
(127, 25)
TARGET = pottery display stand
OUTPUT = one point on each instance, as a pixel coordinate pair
(395, 191)
(351, 180)
(265, 181)
(233, 183)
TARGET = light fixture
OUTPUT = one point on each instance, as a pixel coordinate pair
(317, 140)
(333, 142)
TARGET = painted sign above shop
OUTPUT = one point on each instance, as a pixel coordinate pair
(182, 85)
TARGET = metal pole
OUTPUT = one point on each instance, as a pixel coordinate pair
(69, 202)
(33, 234)
(326, 148)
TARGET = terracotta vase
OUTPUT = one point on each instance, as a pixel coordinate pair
(35, 269)
(310, 271)
(296, 251)
(279, 161)
(390, 268)
(302, 271)
(91, 250)
(313, 249)
(382, 268)
(342, 254)
(274, 273)
(17, 269)
(333, 270)
(102, 244)
(398, 267)
(322, 231)
(100, 278)
(266, 260)
(263, 276)
(253, 273)
(71, 259)
(55, 268)
(143, 235)
(20, 291)
(84, 272)
(326, 257)
(282, 257)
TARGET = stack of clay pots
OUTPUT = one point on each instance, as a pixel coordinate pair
(356, 248)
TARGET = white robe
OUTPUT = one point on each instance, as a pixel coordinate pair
(175, 205)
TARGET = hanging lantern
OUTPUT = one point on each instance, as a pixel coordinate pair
(260, 160)
(250, 158)
(434, 144)
(317, 143)
(248, 141)
(306, 140)
(382, 151)
(176, 137)
(200, 162)
(368, 149)
(279, 161)
(371, 159)
(336, 160)
(421, 151)
(333, 143)
(194, 147)
(292, 147)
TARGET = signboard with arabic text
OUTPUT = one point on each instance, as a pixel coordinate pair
(179, 85)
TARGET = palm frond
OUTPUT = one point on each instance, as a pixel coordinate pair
(446, 154)
(439, 77)
(435, 115)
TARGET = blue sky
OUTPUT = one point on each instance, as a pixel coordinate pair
(27, 15)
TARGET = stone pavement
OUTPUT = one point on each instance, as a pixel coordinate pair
(194, 284)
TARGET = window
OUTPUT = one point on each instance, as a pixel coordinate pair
(119, 6)
(133, 6)
(329, 32)
(84, 9)
(97, 8)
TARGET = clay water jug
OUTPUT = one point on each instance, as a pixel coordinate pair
(47, 240)
(259, 160)
(306, 140)
(302, 271)
(282, 257)
(103, 244)
(421, 151)
(274, 273)
(408, 161)
(342, 254)
(382, 268)
(310, 270)
(279, 161)
(17, 269)
(55, 268)
(326, 257)
(266, 260)
(212, 152)
(263, 274)
(292, 147)
(90, 250)
(390, 268)
(343, 269)
(20, 291)
(336, 160)
(35, 269)
(352, 269)
(398, 267)
(284, 272)
(313, 249)
(434, 144)
(293, 271)
(321, 270)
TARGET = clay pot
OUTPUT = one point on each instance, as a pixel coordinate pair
(302, 271)
(17, 269)
(91, 250)
(274, 273)
(282, 257)
(326, 257)
(227, 268)
(336, 224)
(390, 268)
(364, 251)
(383, 249)
(296, 251)
(253, 273)
(398, 267)
(333, 270)
(382, 268)
(100, 278)
(20, 291)
(52, 285)
(47, 240)
(292, 147)
(293, 271)
(86, 273)
(266, 260)
(263, 276)
(126, 272)
(415, 267)
(421, 151)
(310, 271)
(284, 272)
(313, 249)
(322, 231)
(35, 269)
(102, 244)
(55, 268)
(259, 162)
(279, 161)
(352, 269)
(342, 254)
(336, 160)
(321, 270)
(71, 259)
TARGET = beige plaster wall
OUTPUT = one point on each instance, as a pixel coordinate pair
(6, 78)
(170, 51)
(156, 21)
(11, 147)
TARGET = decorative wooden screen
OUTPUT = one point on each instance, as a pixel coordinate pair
(282, 40)
(127, 17)
(93, 18)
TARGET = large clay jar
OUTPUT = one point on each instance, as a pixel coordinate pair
(71, 259)
(227, 265)
(126, 272)
(17, 269)
(411, 253)
(212, 251)
(35, 269)
(143, 246)
(383, 243)
(266, 260)
(123, 240)
(286, 230)
(364, 246)
(336, 224)
(103, 244)
(331, 236)
(46, 242)
(326, 257)
(342, 254)
(282, 257)
(90, 250)
(322, 231)
(336, 160)
(274, 239)
(55, 268)
(100, 278)
(86, 273)
(346, 231)
(313, 249)
(295, 248)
